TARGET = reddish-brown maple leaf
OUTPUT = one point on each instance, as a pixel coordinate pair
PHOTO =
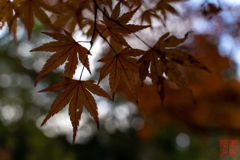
(71, 15)
(160, 59)
(105, 3)
(131, 3)
(121, 65)
(118, 25)
(65, 48)
(7, 15)
(164, 6)
(27, 9)
(76, 93)
(91, 24)
(166, 47)
(155, 69)
(147, 16)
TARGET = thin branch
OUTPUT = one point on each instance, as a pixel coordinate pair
(106, 41)
(123, 27)
(91, 41)
(97, 7)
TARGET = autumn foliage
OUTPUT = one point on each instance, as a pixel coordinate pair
(106, 20)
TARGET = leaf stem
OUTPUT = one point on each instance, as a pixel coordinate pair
(104, 30)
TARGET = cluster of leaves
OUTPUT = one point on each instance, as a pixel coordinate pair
(160, 58)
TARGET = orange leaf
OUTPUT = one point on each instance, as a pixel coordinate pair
(77, 94)
(65, 48)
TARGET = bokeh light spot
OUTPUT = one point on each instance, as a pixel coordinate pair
(183, 140)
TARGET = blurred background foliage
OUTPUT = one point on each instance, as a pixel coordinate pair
(180, 130)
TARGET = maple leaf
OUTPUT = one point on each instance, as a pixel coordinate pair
(118, 25)
(166, 46)
(71, 15)
(27, 9)
(105, 3)
(65, 48)
(163, 6)
(121, 65)
(146, 16)
(91, 24)
(7, 15)
(131, 3)
(160, 59)
(76, 93)
(155, 68)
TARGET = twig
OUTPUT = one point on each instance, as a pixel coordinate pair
(106, 41)
(91, 41)
(123, 26)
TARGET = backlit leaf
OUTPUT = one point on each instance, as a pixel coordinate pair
(160, 60)
(121, 65)
(27, 9)
(118, 25)
(7, 15)
(65, 48)
(76, 94)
